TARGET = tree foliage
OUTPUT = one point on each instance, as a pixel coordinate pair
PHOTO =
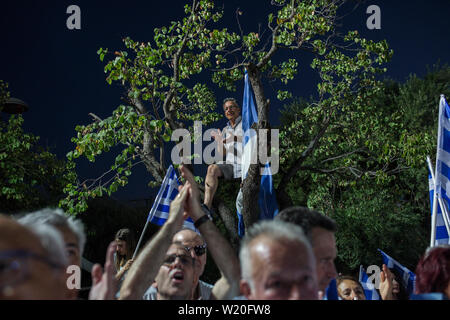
(165, 91)
(377, 190)
(30, 175)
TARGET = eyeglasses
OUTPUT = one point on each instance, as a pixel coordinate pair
(230, 107)
(184, 259)
(199, 250)
(14, 266)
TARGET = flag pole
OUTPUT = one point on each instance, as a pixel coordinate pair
(140, 239)
(153, 209)
(150, 216)
(435, 203)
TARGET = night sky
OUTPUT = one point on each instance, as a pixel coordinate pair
(58, 73)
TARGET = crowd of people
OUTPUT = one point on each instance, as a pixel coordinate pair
(289, 257)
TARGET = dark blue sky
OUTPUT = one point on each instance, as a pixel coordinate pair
(58, 73)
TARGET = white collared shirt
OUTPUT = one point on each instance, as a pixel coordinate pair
(233, 145)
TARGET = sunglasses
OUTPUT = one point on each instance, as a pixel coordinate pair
(199, 250)
(184, 259)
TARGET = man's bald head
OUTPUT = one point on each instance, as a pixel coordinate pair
(190, 239)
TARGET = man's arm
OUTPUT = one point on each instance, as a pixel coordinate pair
(144, 270)
(227, 287)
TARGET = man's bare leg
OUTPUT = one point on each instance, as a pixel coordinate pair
(211, 184)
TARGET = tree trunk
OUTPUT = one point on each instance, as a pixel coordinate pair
(251, 184)
(229, 220)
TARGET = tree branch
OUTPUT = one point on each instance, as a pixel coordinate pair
(296, 165)
(96, 118)
(176, 73)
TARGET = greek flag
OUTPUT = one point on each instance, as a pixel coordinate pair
(441, 231)
(368, 286)
(408, 277)
(249, 117)
(442, 175)
(160, 210)
(268, 207)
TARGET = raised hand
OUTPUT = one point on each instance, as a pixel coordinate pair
(178, 206)
(104, 284)
(193, 208)
(386, 284)
(217, 135)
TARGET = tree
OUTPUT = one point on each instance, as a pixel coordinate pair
(30, 175)
(162, 96)
(378, 191)
(165, 92)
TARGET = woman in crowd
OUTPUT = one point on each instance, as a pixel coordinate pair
(349, 288)
(433, 271)
(124, 251)
(391, 285)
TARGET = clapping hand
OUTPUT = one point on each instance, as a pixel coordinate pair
(386, 284)
(178, 207)
(217, 135)
(193, 207)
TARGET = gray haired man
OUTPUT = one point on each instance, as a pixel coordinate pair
(229, 142)
(320, 229)
(71, 230)
(277, 263)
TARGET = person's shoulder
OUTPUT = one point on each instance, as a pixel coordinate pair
(205, 289)
(150, 294)
(205, 284)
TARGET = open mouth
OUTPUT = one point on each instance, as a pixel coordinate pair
(178, 276)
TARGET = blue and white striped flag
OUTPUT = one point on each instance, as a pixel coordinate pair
(408, 278)
(160, 210)
(368, 286)
(441, 231)
(442, 174)
(268, 207)
(249, 117)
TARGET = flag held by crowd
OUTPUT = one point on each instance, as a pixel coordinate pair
(369, 288)
(408, 278)
(441, 230)
(168, 191)
(442, 177)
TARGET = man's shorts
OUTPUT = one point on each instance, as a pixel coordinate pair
(227, 170)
